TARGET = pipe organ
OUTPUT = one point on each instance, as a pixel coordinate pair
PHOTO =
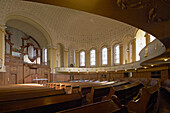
(24, 60)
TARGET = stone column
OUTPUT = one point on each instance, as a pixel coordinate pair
(77, 58)
(147, 36)
(65, 57)
(71, 56)
(100, 58)
(121, 54)
(109, 56)
(2, 47)
(87, 58)
(50, 58)
(97, 58)
(134, 50)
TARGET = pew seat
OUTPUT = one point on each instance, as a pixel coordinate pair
(107, 106)
(42, 104)
(30, 94)
(99, 93)
(148, 101)
(127, 92)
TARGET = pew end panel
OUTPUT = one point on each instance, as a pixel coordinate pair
(148, 102)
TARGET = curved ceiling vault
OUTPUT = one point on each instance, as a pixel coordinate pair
(151, 16)
(29, 30)
(135, 13)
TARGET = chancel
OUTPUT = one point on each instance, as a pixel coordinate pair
(85, 56)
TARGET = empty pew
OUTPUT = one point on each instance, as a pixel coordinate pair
(148, 101)
(30, 94)
(126, 93)
(166, 85)
(107, 106)
(121, 83)
(42, 104)
(99, 93)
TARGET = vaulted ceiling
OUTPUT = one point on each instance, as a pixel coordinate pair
(64, 25)
(149, 15)
(152, 16)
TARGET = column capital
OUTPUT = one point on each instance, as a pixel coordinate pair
(51, 47)
(2, 27)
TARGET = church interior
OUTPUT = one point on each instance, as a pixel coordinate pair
(85, 56)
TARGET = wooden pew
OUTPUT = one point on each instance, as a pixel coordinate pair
(30, 94)
(166, 85)
(120, 83)
(126, 93)
(148, 102)
(107, 106)
(99, 93)
(42, 104)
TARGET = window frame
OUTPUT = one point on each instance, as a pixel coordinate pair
(106, 55)
(94, 57)
(115, 54)
(84, 58)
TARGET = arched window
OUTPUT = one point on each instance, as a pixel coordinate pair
(104, 56)
(45, 56)
(130, 52)
(82, 58)
(140, 43)
(117, 54)
(152, 38)
(93, 57)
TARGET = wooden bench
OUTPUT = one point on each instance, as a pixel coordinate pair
(166, 85)
(99, 93)
(107, 106)
(29, 94)
(126, 93)
(120, 83)
(42, 104)
(148, 102)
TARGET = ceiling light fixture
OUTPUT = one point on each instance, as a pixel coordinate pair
(152, 65)
(145, 67)
(165, 59)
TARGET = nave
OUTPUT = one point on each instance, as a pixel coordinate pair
(87, 96)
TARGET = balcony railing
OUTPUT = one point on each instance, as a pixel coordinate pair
(152, 50)
(125, 67)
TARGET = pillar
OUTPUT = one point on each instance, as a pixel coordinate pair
(134, 50)
(2, 47)
(97, 58)
(50, 57)
(121, 54)
(87, 58)
(147, 36)
(109, 56)
(65, 57)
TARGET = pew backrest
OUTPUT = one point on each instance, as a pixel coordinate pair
(148, 100)
(107, 106)
(98, 92)
(43, 104)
